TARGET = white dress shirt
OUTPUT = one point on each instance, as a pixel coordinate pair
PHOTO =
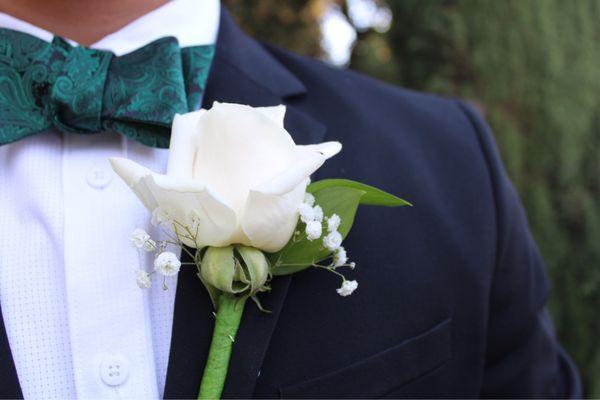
(78, 325)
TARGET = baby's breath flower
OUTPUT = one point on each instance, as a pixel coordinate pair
(333, 223)
(347, 288)
(160, 216)
(307, 213)
(309, 199)
(352, 265)
(332, 241)
(314, 229)
(141, 240)
(142, 279)
(167, 264)
(138, 238)
(340, 257)
(318, 213)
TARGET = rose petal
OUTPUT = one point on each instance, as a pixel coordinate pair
(270, 220)
(276, 113)
(271, 213)
(184, 198)
(132, 173)
(188, 200)
(305, 165)
(182, 149)
(328, 149)
(239, 148)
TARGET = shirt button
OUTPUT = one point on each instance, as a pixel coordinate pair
(99, 178)
(114, 370)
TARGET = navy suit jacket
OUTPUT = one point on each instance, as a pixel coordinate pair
(452, 292)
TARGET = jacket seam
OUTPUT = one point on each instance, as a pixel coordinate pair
(493, 181)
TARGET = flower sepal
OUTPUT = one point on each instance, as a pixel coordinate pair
(240, 271)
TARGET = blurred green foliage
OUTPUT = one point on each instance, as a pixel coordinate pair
(292, 24)
(533, 69)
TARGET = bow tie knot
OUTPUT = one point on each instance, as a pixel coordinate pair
(83, 90)
(75, 103)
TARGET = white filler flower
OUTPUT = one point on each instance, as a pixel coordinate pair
(347, 288)
(142, 279)
(307, 213)
(138, 238)
(333, 223)
(332, 241)
(314, 229)
(340, 257)
(309, 199)
(167, 264)
(318, 213)
(239, 168)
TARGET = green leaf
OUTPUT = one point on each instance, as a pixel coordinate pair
(300, 253)
(372, 196)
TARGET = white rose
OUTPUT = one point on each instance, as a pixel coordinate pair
(237, 170)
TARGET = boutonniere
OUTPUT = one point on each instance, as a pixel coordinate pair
(237, 198)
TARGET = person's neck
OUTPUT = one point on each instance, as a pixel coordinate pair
(84, 21)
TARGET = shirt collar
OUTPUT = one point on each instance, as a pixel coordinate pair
(192, 22)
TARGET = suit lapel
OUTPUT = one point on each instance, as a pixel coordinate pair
(10, 388)
(242, 72)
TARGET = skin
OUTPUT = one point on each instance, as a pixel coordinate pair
(84, 21)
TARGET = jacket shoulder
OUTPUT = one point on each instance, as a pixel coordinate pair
(423, 147)
(353, 91)
(433, 133)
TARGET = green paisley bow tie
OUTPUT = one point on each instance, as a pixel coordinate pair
(79, 90)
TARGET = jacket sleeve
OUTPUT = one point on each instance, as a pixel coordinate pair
(523, 357)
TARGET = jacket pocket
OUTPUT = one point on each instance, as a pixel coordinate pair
(383, 372)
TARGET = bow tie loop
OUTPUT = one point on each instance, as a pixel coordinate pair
(147, 85)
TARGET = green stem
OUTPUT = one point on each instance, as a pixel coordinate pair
(228, 317)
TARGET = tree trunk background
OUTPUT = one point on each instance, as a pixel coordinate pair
(533, 69)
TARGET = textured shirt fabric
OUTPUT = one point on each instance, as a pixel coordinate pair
(77, 324)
